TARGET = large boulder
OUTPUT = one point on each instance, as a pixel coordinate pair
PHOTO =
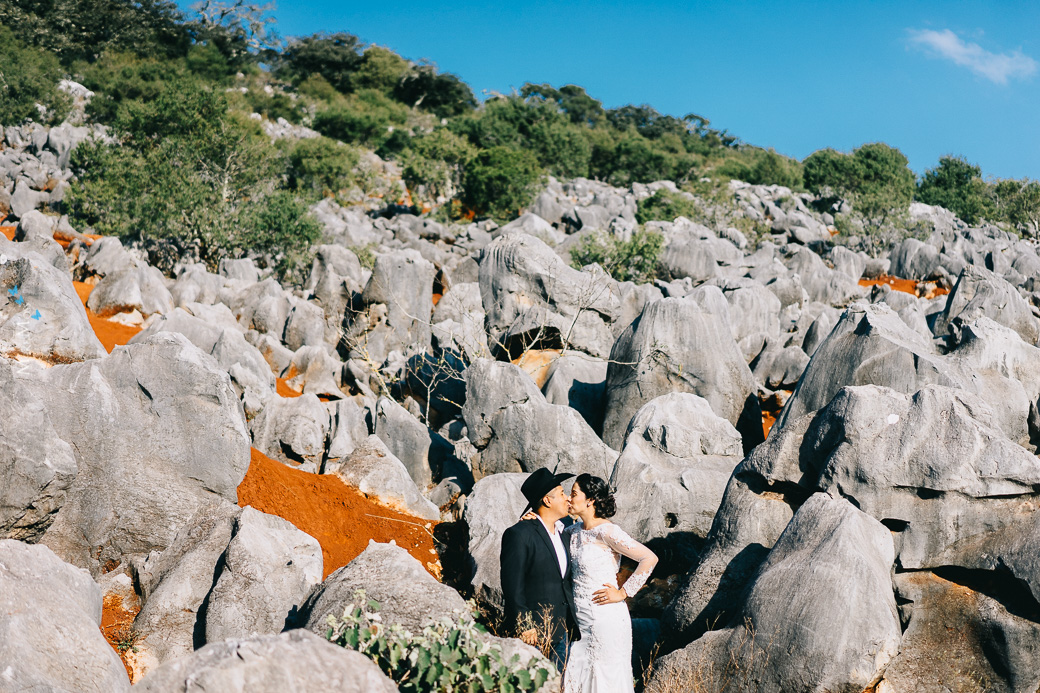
(531, 296)
(294, 661)
(269, 567)
(407, 594)
(490, 387)
(157, 432)
(676, 345)
(981, 293)
(292, 430)
(50, 613)
(36, 466)
(578, 381)
(141, 288)
(674, 467)
(40, 314)
(174, 584)
(375, 471)
(426, 455)
(494, 505)
(820, 614)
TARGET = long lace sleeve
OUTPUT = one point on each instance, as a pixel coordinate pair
(618, 540)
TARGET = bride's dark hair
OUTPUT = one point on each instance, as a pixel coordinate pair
(597, 491)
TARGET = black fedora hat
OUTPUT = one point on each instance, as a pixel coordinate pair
(536, 486)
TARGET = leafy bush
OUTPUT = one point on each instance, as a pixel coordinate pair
(368, 117)
(446, 656)
(958, 186)
(500, 181)
(118, 78)
(28, 76)
(443, 94)
(763, 167)
(665, 205)
(435, 163)
(875, 178)
(635, 260)
(380, 69)
(321, 166)
(280, 226)
(336, 57)
(1018, 202)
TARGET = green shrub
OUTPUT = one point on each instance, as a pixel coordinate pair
(499, 182)
(764, 167)
(441, 93)
(1018, 202)
(380, 69)
(436, 161)
(446, 656)
(665, 205)
(368, 117)
(118, 78)
(280, 225)
(958, 186)
(29, 76)
(335, 57)
(875, 178)
(321, 166)
(636, 260)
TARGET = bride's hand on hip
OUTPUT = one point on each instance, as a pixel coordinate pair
(608, 595)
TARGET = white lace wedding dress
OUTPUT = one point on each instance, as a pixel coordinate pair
(601, 661)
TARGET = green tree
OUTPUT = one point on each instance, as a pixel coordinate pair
(828, 172)
(380, 69)
(336, 57)
(436, 162)
(958, 186)
(884, 183)
(28, 76)
(1018, 202)
(499, 182)
(319, 166)
(440, 93)
(83, 30)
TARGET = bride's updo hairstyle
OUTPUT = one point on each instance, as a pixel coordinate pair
(597, 491)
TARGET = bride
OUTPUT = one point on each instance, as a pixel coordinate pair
(601, 661)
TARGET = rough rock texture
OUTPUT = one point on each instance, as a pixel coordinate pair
(677, 346)
(674, 467)
(40, 314)
(269, 567)
(406, 592)
(426, 455)
(140, 288)
(175, 583)
(375, 471)
(495, 504)
(531, 296)
(292, 429)
(490, 387)
(832, 564)
(294, 661)
(49, 618)
(578, 381)
(163, 435)
(36, 466)
(978, 293)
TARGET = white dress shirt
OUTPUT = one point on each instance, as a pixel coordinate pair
(557, 542)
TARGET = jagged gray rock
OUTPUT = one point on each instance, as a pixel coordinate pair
(494, 505)
(674, 467)
(40, 314)
(531, 296)
(36, 466)
(140, 288)
(578, 381)
(832, 564)
(981, 293)
(294, 661)
(375, 471)
(50, 613)
(490, 387)
(268, 570)
(292, 430)
(677, 345)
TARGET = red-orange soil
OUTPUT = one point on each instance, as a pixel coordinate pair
(117, 623)
(340, 517)
(771, 408)
(536, 363)
(928, 290)
(9, 231)
(111, 334)
(283, 389)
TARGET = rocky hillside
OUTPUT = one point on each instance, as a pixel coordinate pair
(834, 453)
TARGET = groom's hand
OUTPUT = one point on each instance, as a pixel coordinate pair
(608, 595)
(530, 637)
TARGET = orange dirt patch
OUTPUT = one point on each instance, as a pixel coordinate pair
(117, 625)
(111, 334)
(340, 517)
(536, 363)
(283, 389)
(9, 231)
(771, 408)
(928, 290)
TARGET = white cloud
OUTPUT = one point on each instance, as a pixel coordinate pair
(996, 67)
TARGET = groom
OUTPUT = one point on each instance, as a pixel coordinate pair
(536, 572)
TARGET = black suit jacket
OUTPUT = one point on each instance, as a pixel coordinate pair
(531, 581)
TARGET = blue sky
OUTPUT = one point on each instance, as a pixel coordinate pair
(930, 78)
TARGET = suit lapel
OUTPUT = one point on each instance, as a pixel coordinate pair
(539, 529)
